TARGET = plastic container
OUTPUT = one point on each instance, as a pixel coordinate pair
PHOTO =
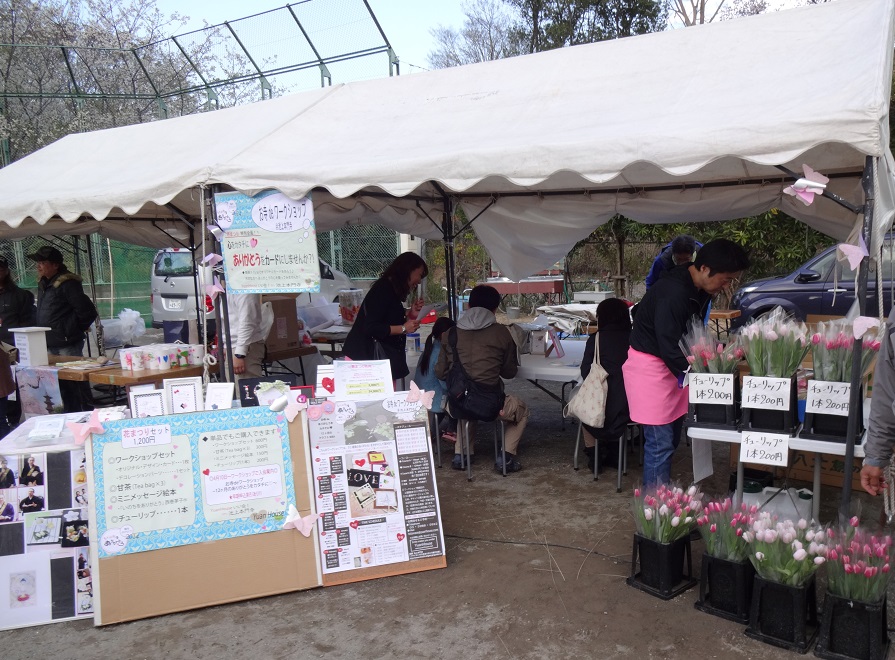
(513, 313)
(787, 504)
(413, 342)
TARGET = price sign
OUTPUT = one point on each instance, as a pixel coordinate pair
(711, 388)
(828, 397)
(764, 448)
(766, 393)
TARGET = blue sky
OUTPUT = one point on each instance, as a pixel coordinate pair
(406, 23)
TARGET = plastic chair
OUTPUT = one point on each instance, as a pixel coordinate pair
(463, 437)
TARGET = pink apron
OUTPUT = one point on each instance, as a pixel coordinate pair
(653, 395)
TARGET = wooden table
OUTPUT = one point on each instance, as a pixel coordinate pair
(725, 316)
(76, 375)
(123, 378)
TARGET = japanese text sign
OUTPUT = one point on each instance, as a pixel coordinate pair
(764, 448)
(766, 393)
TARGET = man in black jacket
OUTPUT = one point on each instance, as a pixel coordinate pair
(62, 304)
(655, 369)
(16, 311)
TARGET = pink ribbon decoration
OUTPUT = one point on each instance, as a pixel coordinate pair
(804, 189)
(81, 431)
(854, 253)
(416, 394)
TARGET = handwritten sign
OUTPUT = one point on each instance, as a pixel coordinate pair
(364, 380)
(711, 388)
(764, 448)
(766, 393)
(828, 397)
(270, 243)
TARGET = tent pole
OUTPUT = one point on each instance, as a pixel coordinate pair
(450, 279)
(851, 430)
(198, 267)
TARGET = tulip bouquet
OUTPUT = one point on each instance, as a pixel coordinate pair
(666, 513)
(707, 355)
(775, 344)
(784, 551)
(858, 563)
(723, 529)
(832, 347)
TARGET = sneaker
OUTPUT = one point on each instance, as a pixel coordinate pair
(512, 465)
(449, 436)
(457, 465)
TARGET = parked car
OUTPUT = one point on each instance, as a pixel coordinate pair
(174, 292)
(821, 285)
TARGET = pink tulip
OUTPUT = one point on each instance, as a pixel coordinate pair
(636, 492)
(885, 568)
(739, 532)
(713, 528)
(691, 359)
(819, 560)
(868, 572)
(854, 521)
(770, 335)
(816, 339)
(720, 349)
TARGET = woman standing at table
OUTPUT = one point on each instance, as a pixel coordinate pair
(614, 332)
(382, 322)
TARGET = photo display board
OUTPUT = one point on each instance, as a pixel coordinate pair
(374, 482)
(163, 482)
(45, 569)
(270, 243)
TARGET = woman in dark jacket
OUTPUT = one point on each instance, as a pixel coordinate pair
(614, 325)
(382, 317)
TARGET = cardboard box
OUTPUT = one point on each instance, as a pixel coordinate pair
(284, 331)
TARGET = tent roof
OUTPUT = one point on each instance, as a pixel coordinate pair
(688, 124)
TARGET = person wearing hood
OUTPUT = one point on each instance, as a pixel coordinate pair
(488, 353)
(62, 304)
(654, 373)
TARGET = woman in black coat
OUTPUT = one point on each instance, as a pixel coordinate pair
(614, 325)
(382, 317)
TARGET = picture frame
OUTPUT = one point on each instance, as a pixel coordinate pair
(219, 396)
(386, 499)
(147, 404)
(183, 395)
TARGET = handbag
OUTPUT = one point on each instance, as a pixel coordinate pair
(12, 353)
(467, 398)
(588, 402)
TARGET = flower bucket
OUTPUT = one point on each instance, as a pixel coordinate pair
(782, 615)
(773, 421)
(725, 588)
(661, 567)
(852, 630)
(832, 428)
(716, 415)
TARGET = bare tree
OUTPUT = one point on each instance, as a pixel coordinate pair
(695, 12)
(485, 35)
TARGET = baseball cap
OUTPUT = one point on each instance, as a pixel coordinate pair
(47, 253)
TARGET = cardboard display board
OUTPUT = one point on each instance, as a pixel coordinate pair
(45, 567)
(226, 477)
(374, 482)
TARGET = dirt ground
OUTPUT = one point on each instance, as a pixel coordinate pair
(536, 569)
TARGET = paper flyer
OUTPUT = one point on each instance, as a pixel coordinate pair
(374, 481)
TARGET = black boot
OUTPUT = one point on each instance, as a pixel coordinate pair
(589, 452)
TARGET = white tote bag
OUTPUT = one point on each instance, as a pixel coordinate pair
(588, 402)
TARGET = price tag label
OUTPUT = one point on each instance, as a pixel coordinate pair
(764, 448)
(711, 388)
(828, 397)
(766, 393)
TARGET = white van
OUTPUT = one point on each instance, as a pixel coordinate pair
(174, 285)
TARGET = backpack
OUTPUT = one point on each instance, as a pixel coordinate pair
(468, 399)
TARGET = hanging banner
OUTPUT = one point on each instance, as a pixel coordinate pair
(175, 480)
(270, 243)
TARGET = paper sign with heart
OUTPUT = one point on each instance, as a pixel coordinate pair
(329, 385)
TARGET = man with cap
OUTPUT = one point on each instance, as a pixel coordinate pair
(16, 311)
(62, 304)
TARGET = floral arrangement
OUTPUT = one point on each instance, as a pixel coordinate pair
(832, 348)
(858, 563)
(666, 513)
(723, 529)
(784, 551)
(775, 344)
(706, 355)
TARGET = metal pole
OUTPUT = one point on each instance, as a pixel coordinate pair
(861, 294)
(450, 274)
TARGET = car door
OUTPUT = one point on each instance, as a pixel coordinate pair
(840, 289)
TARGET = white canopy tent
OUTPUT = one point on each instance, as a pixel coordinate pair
(685, 125)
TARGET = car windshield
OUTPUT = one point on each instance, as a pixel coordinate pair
(174, 264)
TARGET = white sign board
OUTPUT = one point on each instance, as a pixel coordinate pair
(711, 388)
(828, 398)
(766, 393)
(764, 448)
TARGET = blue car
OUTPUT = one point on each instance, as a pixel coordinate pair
(821, 285)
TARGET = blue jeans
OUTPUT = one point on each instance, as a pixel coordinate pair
(659, 443)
